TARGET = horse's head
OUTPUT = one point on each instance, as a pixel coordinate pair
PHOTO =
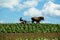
(42, 18)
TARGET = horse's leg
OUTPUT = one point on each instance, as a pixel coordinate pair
(37, 21)
(32, 21)
(25, 21)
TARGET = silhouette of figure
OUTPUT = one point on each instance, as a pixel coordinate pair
(22, 21)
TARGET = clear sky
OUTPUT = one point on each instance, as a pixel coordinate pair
(12, 10)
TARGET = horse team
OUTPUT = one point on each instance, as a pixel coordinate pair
(34, 19)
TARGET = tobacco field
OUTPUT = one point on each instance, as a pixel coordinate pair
(29, 28)
(31, 31)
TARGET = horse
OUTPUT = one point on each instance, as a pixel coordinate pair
(22, 21)
(37, 19)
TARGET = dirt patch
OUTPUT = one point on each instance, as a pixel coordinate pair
(14, 36)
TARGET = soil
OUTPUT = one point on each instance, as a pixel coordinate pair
(14, 36)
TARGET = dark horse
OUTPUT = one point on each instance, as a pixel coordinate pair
(22, 21)
(37, 19)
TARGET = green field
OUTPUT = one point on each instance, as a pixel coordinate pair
(29, 28)
(29, 31)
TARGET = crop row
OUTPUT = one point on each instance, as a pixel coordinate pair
(38, 39)
(27, 28)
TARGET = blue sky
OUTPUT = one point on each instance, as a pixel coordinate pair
(12, 10)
